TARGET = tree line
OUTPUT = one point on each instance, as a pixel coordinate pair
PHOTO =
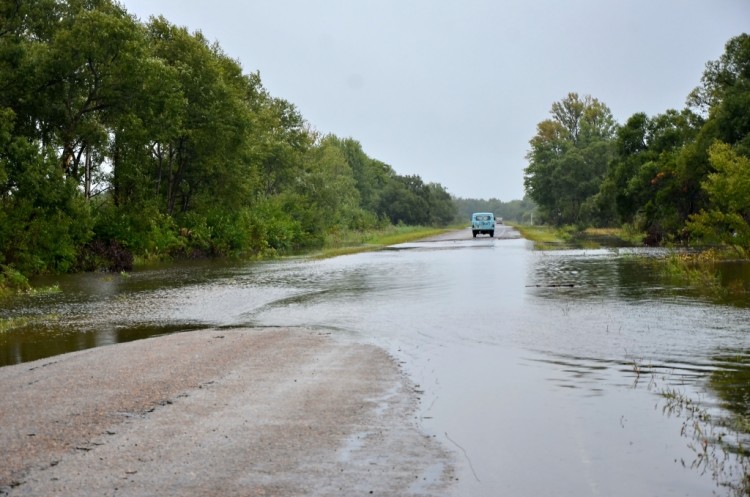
(680, 176)
(519, 211)
(121, 137)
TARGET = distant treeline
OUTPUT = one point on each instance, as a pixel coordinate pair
(680, 176)
(519, 211)
(120, 138)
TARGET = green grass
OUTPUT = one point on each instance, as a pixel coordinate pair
(544, 237)
(550, 238)
(352, 242)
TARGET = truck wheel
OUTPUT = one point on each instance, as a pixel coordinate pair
(492, 234)
(474, 233)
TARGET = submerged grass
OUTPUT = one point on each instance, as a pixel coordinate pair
(693, 269)
(720, 446)
(719, 439)
(715, 273)
(9, 324)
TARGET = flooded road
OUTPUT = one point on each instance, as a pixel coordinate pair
(545, 372)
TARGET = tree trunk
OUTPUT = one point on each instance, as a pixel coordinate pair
(87, 174)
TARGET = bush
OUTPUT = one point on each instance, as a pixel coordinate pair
(100, 255)
(12, 280)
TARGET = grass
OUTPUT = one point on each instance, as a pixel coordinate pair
(8, 324)
(694, 269)
(544, 237)
(550, 238)
(9, 291)
(352, 242)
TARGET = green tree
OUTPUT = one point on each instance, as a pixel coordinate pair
(569, 158)
(44, 221)
(442, 210)
(370, 175)
(197, 163)
(117, 135)
(728, 188)
(329, 189)
(408, 200)
(645, 185)
(520, 211)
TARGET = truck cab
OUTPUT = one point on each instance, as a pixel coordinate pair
(483, 223)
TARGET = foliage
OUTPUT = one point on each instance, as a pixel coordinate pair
(43, 219)
(643, 186)
(407, 200)
(519, 211)
(121, 139)
(728, 189)
(569, 159)
(12, 280)
(678, 176)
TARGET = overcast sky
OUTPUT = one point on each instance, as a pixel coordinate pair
(452, 90)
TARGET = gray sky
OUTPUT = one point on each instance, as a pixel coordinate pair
(452, 90)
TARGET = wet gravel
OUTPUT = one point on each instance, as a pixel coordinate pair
(281, 412)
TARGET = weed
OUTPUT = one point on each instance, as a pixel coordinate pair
(8, 324)
(719, 445)
(46, 290)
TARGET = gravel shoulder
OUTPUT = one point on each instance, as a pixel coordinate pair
(281, 412)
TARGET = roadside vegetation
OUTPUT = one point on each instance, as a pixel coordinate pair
(547, 237)
(681, 177)
(718, 438)
(352, 242)
(148, 142)
(123, 142)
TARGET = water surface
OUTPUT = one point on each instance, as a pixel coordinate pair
(543, 371)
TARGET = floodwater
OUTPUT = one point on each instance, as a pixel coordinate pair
(545, 372)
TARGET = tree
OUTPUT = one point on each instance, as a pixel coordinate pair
(721, 76)
(197, 163)
(645, 185)
(728, 188)
(78, 79)
(146, 138)
(569, 158)
(44, 221)
(329, 189)
(442, 210)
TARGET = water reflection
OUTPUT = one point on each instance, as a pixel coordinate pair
(29, 343)
(730, 380)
